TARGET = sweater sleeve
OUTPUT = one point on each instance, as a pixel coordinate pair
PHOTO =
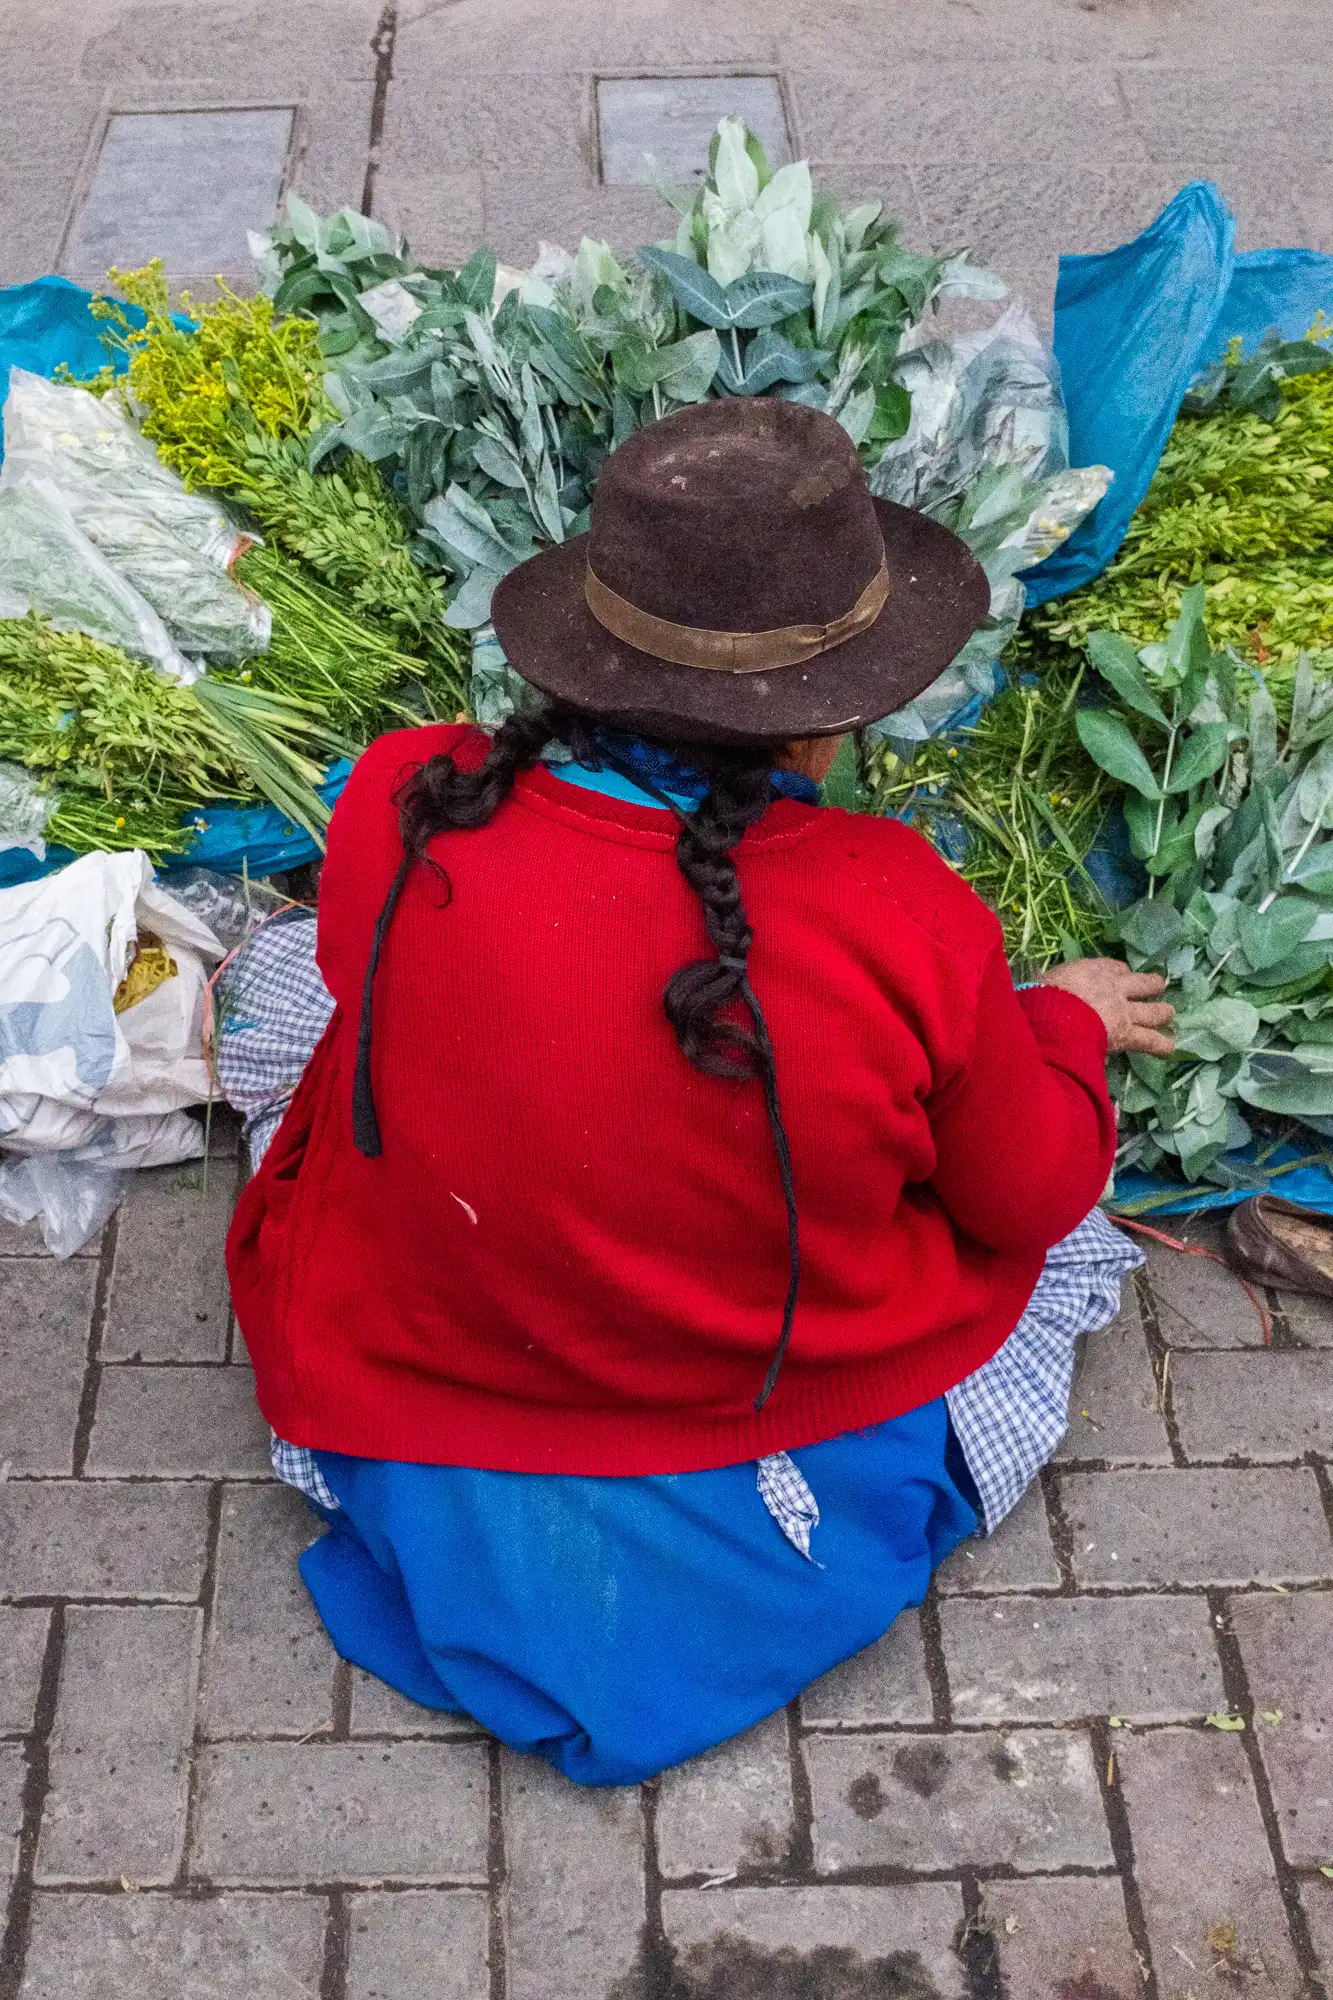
(1025, 1134)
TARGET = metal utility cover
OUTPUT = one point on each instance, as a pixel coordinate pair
(673, 118)
(180, 185)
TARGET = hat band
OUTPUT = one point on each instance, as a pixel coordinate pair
(731, 652)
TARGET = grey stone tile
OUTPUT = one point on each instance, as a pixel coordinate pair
(1199, 1302)
(178, 1422)
(439, 214)
(265, 50)
(1113, 1411)
(342, 1812)
(43, 136)
(119, 1748)
(521, 212)
(87, 1538)
(1136, 1528)
(1202, 1863)
(501, 120)
(1310, 1319)
(574, 1898)
(1269, 1406)
(22, 1648)
(1209, 114)
(886, 1683)
(183, 186)
(13, 1773)
(731, 1809)
(1014, 113)
(1287, 1646)
(671, 120)
(585, 35)
(1064, 1937)
(1018, 1556)
(328, 166)
(1018, 219)
(1054, 1659)
(423, 1941)
(44, 1314)
(881, 1940)
(269, 1667)
(168, 1298)
(159, 1947)
(1023, 1799)
(379, 1710)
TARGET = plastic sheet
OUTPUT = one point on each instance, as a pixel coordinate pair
(1132, 329)
(46, 558)
(172, 546)
(70, 1200)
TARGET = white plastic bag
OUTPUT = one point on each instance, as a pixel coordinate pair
(172, 546)
(71, 1201)
(76, 1077)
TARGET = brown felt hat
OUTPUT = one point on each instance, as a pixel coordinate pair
(739, 583)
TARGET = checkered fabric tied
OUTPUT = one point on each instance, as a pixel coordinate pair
(1009, 1415)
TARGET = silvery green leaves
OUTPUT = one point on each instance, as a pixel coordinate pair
(1231, 823)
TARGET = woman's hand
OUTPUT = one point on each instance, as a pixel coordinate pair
(1128, 1002)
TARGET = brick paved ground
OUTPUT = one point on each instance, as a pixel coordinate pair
(197, 1802)
(1015, 1792)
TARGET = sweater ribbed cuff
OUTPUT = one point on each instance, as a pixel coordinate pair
(1065, 1024)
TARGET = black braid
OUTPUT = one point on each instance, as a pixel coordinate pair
(740, 790)
(438, 797)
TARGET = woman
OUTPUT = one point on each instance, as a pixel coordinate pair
(677, 1153)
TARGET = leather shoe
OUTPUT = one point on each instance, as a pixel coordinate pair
(1276, 1242)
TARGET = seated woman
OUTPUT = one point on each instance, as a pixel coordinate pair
(649, 1278)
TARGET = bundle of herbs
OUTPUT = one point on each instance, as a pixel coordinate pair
(125, 758)
(1230, 816)
(1242, 502)
(230, 400)
(1012, 802)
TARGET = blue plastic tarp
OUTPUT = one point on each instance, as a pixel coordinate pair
(1132, 329)
(45, 325)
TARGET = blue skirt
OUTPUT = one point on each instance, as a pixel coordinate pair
(617, 1626)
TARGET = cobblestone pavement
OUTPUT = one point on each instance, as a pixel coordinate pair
(1023, 1789)
(1022, 127)
(1017, 1792)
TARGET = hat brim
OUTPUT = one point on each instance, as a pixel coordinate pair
(938, 596)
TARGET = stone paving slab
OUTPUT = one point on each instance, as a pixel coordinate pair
(102, 1538)
(887, 1683)
(1067, 1937)
(168, 1298)
(1210, 1895)
(1023, 1799)
(119, 1773)
(157, 1947)
(883, 1941)
(1273, 1407)
(1286, 1644)
(178, 1422)
(1046, 1659)
(44, 1313)
(434, 1942)
(1197, 1527)
(342, 1812)
(731, 1810)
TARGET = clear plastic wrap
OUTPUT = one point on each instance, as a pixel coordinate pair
(987, 454)
(46, 559)
(24, 811)
(70, 1200)
(170, 545)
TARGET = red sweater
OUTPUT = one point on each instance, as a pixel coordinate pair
(571, 1255)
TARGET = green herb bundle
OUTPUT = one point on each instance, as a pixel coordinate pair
(1011, 802)
(1242, 503)
(128, 756)
(1230, 817)
(230, 402)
